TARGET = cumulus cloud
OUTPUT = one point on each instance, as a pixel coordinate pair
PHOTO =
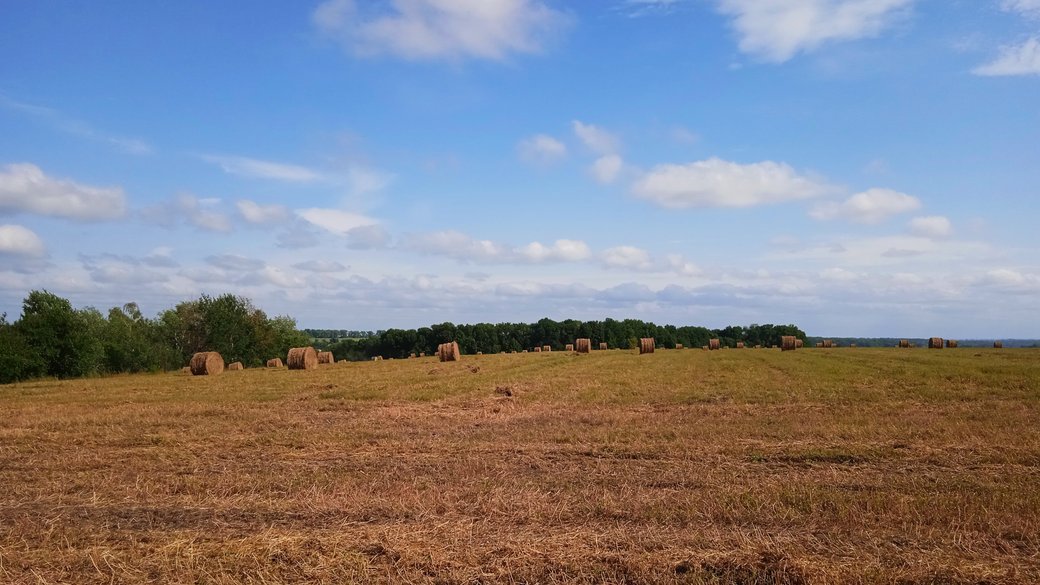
(258, 214)
(559, 251)
(595, 138)
(627, 257)
(201, 213)
(262, 169)
(24, 188)
(1021, 59)
(453, 244)
(16, 240)
(368, 237)
(1029, 8)
(336, 221)
(426, 30)
(298, 235)
(719, 183)
(607, 168)
(933, 226)
(777, 30)
(871, 206)
(120, 270)
(234, 262)
(320, 266)
(541, 150)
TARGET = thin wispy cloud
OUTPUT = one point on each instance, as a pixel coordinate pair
(78, 128)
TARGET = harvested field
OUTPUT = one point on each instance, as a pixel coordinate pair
(674, 467)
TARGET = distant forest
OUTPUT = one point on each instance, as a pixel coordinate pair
(920, 342)
(495, 338)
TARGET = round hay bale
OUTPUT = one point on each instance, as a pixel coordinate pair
(411, 356)
(422, 354)
(935, 343)
(546, 348)
(819, 344)
(326, 357)
(951, 343)
(788, 343)
(275, 363)
(678, 346)
(904, 343)
(235, 366)
(448, 352)
(480, 353)
(828, 343)
(646, 345)
(538, 349)
(206, 363)
(740, 345)
(998, 345)
(714, 344)
(603, 345)
(525, 351)
(302, 358)
(852, 345)
(799, 343)
(583, 345)
(758, 347)
(704, 347)
(568, 347)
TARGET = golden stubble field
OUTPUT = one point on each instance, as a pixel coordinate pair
(752, 467)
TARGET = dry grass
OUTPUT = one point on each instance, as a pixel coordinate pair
(678, 467)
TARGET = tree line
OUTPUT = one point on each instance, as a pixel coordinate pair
(53, 339)
(495, 338)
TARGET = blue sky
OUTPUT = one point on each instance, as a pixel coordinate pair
(857, 167)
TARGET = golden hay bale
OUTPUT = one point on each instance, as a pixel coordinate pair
(704, 347)
(568, 347)
(524, 351)
(538, 349)
(326, 357)
(422, 354)
(546, 348)
(714, 344)
(758, 347)
(583, 345)
(206, 363)
(951, 343)
(411, 356)
(646, 345)
(904, 343)
(448, 352)
(740, 345)
(603, 345)
(275, 363)
(788, 343)
(828, 343)
(235, 366)
(935, 343)
(799, 343)
(480, 353)
(678, 346)
(819, 344)
(998, 344)
(302, 358)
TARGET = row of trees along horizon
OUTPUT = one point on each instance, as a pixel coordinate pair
(53, 339)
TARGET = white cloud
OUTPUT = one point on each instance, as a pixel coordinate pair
(559, 251)
(261, 169)
(423, 30)
(456, 245)
(1023, 59)
(335, 220)
(719, 183)
(320, 266)
(235, 262)
(74, 127)
(606, 168)
(871, 206)
(453, 244)
(189, 209)
(368, 237)
(627, 257)
(777, 30)
(20, 241)
(541, 150)
(255, 213)
(1030, 8)
(595, 138)
(25, 188)
(933, 226)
